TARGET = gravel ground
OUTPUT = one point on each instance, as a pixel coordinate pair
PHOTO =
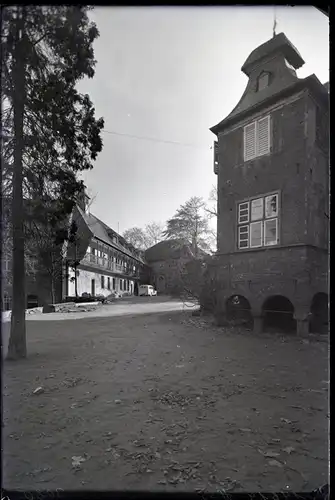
(165, 401)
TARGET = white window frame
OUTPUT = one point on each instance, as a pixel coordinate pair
(239, 236)
(276, 241)
(247, 215)
(262, 216)
(256, 125)
(272, 216)
(246, 225)
(253, 224)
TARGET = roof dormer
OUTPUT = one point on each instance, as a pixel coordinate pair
(278, 46)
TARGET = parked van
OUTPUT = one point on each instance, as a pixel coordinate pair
(147, 290)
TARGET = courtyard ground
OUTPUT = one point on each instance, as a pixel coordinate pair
(165, 401)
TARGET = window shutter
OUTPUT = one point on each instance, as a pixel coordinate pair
(250, 141)
(263, 136)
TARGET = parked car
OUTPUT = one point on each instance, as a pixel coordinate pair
(147, 290)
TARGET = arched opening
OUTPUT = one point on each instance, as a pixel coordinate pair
(238, 311)
(278, 315)
(32, 301)
(319, 314)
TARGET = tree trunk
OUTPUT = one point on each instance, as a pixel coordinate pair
(75, 271)
(53, 290)
(17, 347)
(52, 279)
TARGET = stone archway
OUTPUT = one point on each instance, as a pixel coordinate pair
(318, 322)
(278, 315)
(238, 311)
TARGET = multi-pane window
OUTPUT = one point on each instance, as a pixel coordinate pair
(258, 222)
(257, 138)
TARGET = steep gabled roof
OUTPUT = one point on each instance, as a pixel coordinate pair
(283, 81)
(171, 249)
(247, 106)
(105, 233)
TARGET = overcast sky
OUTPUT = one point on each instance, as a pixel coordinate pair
(171, 73)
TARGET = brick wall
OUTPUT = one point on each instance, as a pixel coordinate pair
(166, 275)
(297, 168)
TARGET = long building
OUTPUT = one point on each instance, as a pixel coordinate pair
(107, 263)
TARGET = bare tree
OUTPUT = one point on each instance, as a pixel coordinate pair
(136, 237)
(153, 233)
(142, 239)
(212, 209)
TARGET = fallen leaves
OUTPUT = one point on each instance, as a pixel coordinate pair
(289, 449)
(275, 463)
(38, 390)
(269, 454)
(77, 461)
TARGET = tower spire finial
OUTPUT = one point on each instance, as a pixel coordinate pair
(274, 21)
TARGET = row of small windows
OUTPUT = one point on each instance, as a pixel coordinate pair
(124, 284)
(258, 222)
(104, 255)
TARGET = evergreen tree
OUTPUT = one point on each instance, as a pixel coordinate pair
(190, 223)
(52, 131)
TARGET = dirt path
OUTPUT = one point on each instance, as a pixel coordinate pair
(165, 401)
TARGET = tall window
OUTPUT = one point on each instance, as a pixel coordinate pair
(258, 222)
(102, 281)
(257, 138)
(113, 283)
(108, 283)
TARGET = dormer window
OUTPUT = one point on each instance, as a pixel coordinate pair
(263, 81)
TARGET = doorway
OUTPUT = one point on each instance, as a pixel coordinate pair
(93, 288)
